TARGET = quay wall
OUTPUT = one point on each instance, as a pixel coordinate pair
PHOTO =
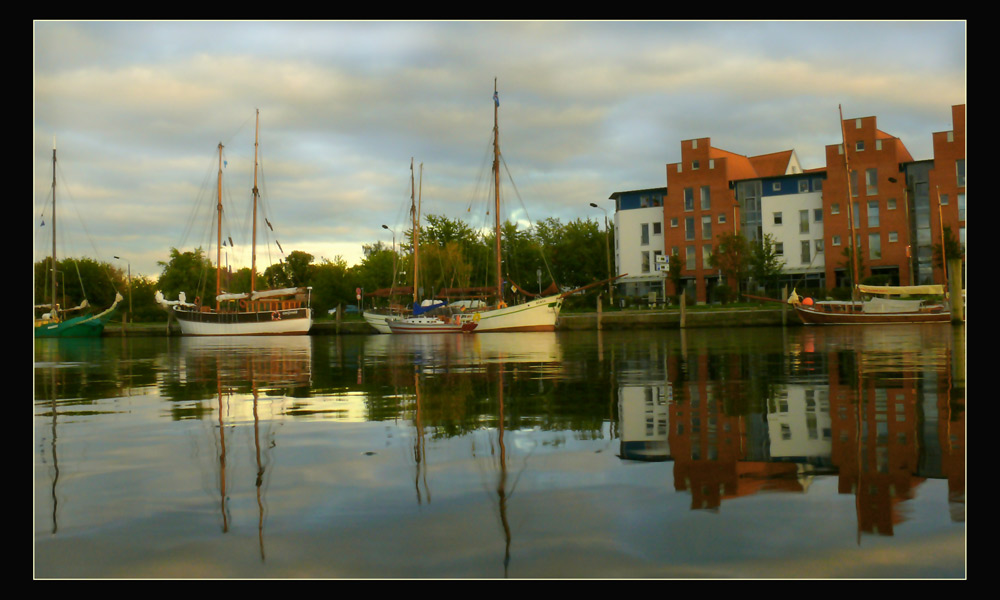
(610, 320)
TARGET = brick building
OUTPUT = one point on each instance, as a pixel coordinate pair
(899, 207)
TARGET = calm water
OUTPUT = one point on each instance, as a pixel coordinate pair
(708, 453)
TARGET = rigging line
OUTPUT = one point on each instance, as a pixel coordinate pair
(83, 224)
(541, 248)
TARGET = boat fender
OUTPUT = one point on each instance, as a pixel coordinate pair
(502, 305)
(243, 305)
(275, 316)
(475, 318)
(808, 301)
(458, 319)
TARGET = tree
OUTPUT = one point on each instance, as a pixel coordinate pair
(674, 268)
(186, 272)
(732, 257)
(951, 246)
(765, 265)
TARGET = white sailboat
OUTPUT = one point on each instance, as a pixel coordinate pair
(539, 314)
(283, 311)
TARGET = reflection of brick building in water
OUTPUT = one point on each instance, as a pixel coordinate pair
(897, 439)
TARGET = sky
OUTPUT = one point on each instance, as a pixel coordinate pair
(137, 110)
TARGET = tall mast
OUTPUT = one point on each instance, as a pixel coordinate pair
(253, 246)
(850, 213)
(496, 183)
(416, 236)
(218, 245)
(54, 227)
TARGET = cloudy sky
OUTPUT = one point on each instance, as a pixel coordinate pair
(138, 109)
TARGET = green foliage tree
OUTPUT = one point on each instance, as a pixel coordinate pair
(187, 272)
(952, 249)
(732, 257)
(674, 269)
(765, 264)
(78, 279)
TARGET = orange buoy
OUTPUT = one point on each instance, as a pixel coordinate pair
(808, 302)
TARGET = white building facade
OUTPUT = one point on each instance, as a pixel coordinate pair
(638, 242)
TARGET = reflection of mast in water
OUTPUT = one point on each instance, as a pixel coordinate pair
(55, 457)
(419, 447)
(503, 496)
(260, 471)
(222, 462)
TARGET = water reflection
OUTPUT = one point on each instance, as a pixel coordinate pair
(882, 409)
(423, 456)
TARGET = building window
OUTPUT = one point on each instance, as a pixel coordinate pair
(803, 221)
(656, 262)
(644, 235)
(857, 123)
(645, 262)
(961, 207)
(673, 222)
(834, 209)
(688, 198)
(817, 185)
(689, 258)
(944, 199)
(819, 246)
(890, 204)
(860, 146)
(706, 198)
(722, 218)
(878, 144)
(893, 237)
(818, 215)
(706, 227)
(806, 244)
(874, 246)
(854, 183)
(803, 186)
(836, 240)
(711, 163)
(873, 213)
(871, 181)
(706, 256)
(777, 218)
(779, 248)
(689, 228)
(657, 229)
(776, 186)
(694, 165)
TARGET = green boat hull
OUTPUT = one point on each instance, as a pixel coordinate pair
(86, 326)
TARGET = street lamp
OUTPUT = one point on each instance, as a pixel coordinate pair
(607, 251)
(129, 285)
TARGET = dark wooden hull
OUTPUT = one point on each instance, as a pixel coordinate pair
(819, 316)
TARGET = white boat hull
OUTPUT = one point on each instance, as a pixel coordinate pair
(536, 315)
(282, 322)
(379, 321)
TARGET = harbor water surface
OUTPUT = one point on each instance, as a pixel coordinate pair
(710, 453)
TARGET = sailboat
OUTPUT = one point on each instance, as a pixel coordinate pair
(379, 318)
(539, 314)
(55, 323)
(876, 309)
(284, 311)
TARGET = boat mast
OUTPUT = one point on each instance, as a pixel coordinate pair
(54, 313)
(850, 208)
(416, 236)
(496, 184)
(218, 245)
(253, 246)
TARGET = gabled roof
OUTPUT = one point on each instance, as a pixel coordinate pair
(771, 165)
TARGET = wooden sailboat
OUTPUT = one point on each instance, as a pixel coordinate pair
(56, 322)
(539, 314)
(283, 311)
(876, 309)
